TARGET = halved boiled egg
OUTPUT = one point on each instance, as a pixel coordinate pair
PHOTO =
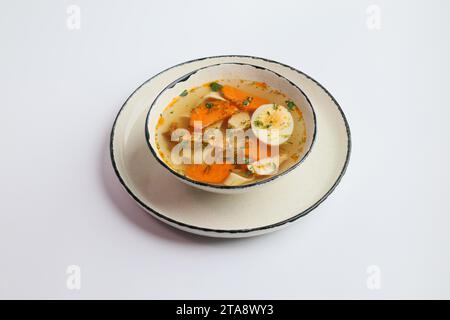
(264, 167)
(267, 166)
(272, 124)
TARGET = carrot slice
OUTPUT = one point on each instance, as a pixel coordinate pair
(211, 111)
(214, 173)
(242, 99)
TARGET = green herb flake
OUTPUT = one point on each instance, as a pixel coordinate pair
(247, 101)
(209, 105)
(215, 86)
(184, 93)
(248, 173)
(290, 105)
(258, 123)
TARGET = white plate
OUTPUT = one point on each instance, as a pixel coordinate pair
(259, 211)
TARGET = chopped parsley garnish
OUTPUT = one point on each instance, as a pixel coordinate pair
(261, 125)
(184, 93)
(215, 86)
(258, 123)
(247, 101)
(248, 173)
(209, 105)
(290, 105)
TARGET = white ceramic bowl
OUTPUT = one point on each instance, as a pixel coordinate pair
(230, 71)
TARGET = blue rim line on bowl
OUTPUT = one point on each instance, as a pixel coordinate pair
(257, 183)
(236, 231)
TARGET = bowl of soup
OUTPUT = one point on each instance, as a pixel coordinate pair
(230, 127)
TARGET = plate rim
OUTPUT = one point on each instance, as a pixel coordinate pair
(232, 231)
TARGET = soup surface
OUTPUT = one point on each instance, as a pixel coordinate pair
(231, 132)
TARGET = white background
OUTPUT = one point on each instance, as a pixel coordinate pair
(61, 203)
